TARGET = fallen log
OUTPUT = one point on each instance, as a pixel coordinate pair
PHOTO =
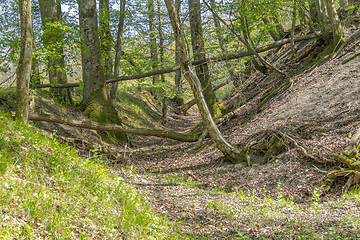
(115, 128)
(194, 63)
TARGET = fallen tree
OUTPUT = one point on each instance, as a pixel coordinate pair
(194, 63)
(115, 128)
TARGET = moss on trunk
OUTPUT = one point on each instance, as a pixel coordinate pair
(101, 110)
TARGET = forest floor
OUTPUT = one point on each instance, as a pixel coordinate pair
(211, 198)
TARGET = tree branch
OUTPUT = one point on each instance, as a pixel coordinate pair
(115, 128)
(194, 63)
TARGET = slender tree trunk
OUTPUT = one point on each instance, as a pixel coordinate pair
(61, 77)
(48, 15)
(179, 94)
(235, 79)
(51, 12)
(25, 62)
(224, 146)
(153, 45)
(335, 22)
(118, 51)
(161, 51)
(321, 7)
(202, 71)
(293, 25)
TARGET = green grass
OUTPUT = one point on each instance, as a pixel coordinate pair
(48, 192)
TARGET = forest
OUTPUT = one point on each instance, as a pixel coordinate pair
(179, 119)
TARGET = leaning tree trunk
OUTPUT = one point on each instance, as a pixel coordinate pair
(224, 146)
(25, 62)
(202, 71)
(96, 101)
(118, 51)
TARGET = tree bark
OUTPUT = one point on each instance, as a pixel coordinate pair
(202, 71)
(118, 51)
(222, 144)
(105, 37)
(25, 62)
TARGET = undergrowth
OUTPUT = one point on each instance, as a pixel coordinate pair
(47, 191)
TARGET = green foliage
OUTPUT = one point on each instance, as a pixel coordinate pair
(47, 191)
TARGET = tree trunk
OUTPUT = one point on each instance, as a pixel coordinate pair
(153, 45)
(161, 51)
(48, 15)
(321, 8)
(274, 35)
(335, 23)
(202, 71)
(235, 79)
(25, 62)
(118, 51)
(61, 77)
(96, 101)
(105, 37)
(279, 27)
(179, 94)
(293, 25)
(224, 146)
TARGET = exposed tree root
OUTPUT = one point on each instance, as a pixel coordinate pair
(115, 128)
(348, 59)
(305, 53)
(285, 137)
(353, 37)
